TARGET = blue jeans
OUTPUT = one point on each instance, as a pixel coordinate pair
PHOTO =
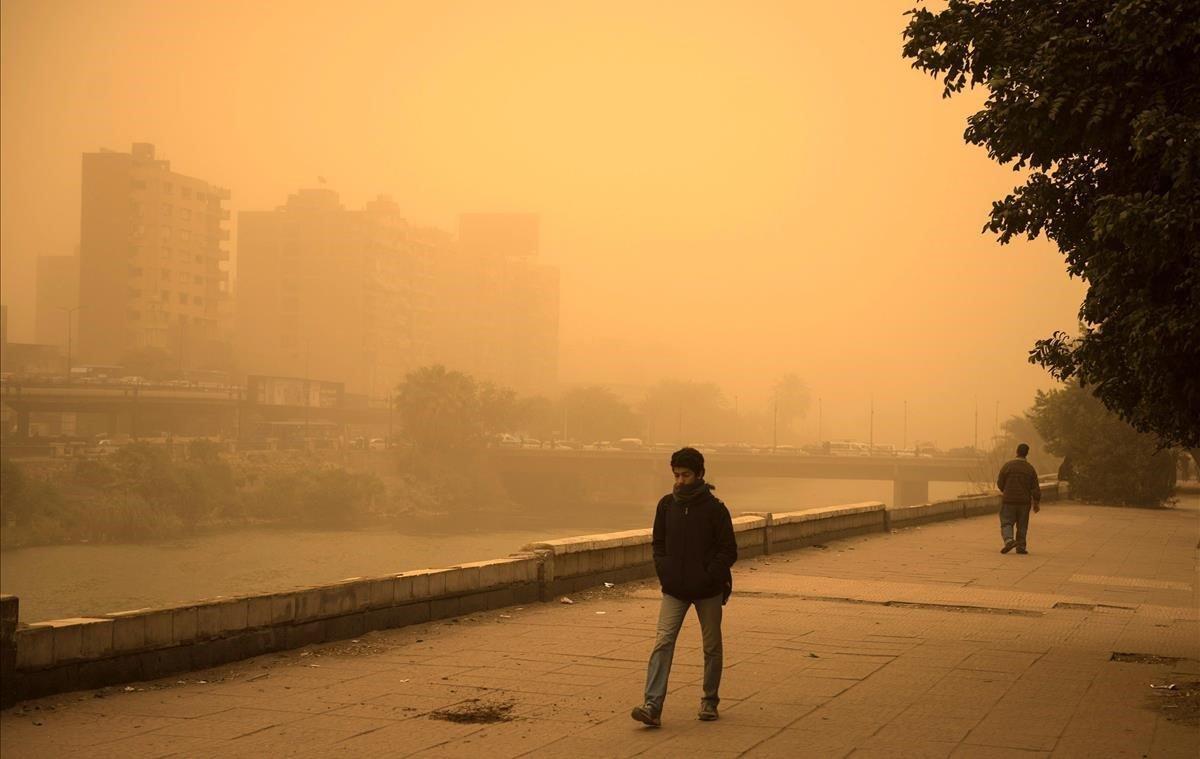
(1014, 514)
(670, 619)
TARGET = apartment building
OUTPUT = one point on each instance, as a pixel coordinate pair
(152, 268)
(329, 293)
(498, 314)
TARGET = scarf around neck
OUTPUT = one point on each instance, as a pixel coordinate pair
(689, 493)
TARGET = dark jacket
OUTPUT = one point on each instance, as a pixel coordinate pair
(694, 547)
(1018, 481)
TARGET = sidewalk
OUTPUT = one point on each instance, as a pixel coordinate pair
(926, 642)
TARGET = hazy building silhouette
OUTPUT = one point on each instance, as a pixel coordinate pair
(498, 305)
(57, 294)
(329, 293)
(150, 255)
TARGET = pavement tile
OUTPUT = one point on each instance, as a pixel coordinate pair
(965, 751)
(792, 742)
(700, 738)
(507, 739)
(919, 749)
(229, 724)
(150, 745)
(753, 712)
(909, 728)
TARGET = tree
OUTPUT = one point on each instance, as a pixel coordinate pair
(151, 363)
(698, 410)
(440, 409)
(596, 413)
(1112, 462)
(791, 399)
(498, 408)
(538, 417)
(1099, 101)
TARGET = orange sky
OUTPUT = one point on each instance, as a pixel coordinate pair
(731, 192)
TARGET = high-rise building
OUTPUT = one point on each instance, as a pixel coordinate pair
(329, 293)
(498, 305)
(57, 297)
(152, 270)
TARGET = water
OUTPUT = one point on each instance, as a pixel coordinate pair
(81, 580)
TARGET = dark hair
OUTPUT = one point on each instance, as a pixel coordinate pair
(1023, 450)
(688, 458)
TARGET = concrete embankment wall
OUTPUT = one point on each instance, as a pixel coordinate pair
(88, 652)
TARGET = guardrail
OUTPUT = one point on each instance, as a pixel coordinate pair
(87, 652)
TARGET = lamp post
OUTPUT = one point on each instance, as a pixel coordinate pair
(70, 313)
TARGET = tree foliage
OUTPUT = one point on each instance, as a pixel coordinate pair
(1099, 102)
(792, 399)
(440, 409)
(1112, 462)
(597, 413)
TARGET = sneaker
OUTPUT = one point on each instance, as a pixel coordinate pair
(1008, 546)
(708, 712)
(1022, 550)
(646, 715)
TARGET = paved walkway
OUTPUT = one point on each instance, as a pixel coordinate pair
(926, 642)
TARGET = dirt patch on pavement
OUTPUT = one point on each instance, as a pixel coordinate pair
(1144, 658)
(1179, 702)
(475, 712)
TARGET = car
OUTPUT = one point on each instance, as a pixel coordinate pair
(630, 444)
(377, 444)
(848, 448)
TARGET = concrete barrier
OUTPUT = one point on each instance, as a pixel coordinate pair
(86, 652)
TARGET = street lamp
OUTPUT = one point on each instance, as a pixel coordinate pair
(70, 313)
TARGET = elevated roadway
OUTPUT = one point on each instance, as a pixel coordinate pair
(911, 476)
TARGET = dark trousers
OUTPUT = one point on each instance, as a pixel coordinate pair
(1014, 514)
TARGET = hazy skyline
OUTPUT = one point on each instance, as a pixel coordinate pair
(731, 194)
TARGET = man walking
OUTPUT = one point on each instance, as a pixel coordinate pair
(694, 548)
(1018, 483)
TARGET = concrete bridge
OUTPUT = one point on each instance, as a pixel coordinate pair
(910, 476)
(126, 405)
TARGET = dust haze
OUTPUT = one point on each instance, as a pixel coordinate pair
(729, 195)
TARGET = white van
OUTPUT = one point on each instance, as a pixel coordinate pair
(848, 448)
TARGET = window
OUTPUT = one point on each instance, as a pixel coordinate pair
(199, 259)
(138, 184)
(167, 187)
(183, 298)
(198, 280)
(166, 273)
(185, 192)
(198, 301)
(135, 271)
(166, 253)
(184, 234)
(185, 214)
(133, 315)
(164, 295)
